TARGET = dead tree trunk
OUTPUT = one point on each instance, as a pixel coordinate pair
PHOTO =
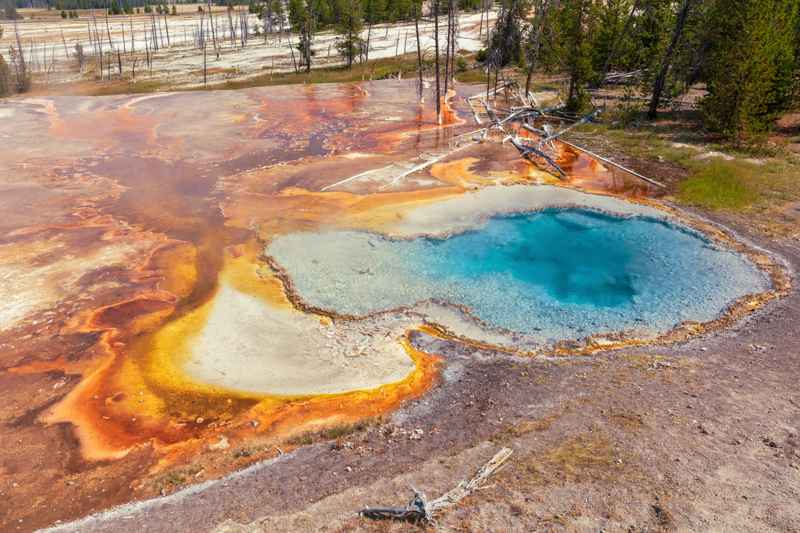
(166, 28)
(205, 61)
(369, 36)
(454, 44)
(21, 67)
(213, 29)
(154, 32)
(64, 42)
(447, 47)
(291, 50)
(535, 43)
(232, 36)
(661, 79)
(419, 52)
(108, 33)
(436, 47)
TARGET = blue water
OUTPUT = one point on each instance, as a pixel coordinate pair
(555, 274)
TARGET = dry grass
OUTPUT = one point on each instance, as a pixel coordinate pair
(333, 432)
(587, 457)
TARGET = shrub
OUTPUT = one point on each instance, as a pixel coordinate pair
(5, 78)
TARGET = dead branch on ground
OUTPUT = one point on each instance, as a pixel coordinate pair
(419, 509)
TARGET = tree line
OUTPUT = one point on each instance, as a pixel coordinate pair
(745, 52)
(350, 19)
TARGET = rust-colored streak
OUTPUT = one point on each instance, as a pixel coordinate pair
(133, 392)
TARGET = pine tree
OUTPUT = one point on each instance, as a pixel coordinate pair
(750, 65)
(303, 18)
(507, 37)
(350, 45)
(5, 74)
(575, 24)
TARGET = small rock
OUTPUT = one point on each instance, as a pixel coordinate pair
(769, 442)
(199, 420)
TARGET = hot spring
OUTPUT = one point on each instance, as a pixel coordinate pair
(550, 275)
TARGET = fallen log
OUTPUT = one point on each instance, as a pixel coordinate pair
(586, 118)
(528, 152)
(614, 163)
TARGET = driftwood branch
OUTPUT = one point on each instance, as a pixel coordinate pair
(419, 509)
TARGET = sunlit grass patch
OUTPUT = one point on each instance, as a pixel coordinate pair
(719, 185)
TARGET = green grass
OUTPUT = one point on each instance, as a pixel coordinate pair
(473, 75)
(719, 185)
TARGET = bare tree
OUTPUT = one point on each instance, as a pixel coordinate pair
(535, 40)
(436, 48)
(79, 55)
(23, 76)
(419, 52)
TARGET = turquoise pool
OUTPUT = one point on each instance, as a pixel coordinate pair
(551, 275)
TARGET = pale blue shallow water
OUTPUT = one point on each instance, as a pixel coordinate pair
(553, 275)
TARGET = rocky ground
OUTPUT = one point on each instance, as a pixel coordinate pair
(703, 436)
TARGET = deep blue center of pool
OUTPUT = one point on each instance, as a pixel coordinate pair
(554, 274)
(568, 254)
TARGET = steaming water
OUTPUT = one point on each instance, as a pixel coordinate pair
(552, 275)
